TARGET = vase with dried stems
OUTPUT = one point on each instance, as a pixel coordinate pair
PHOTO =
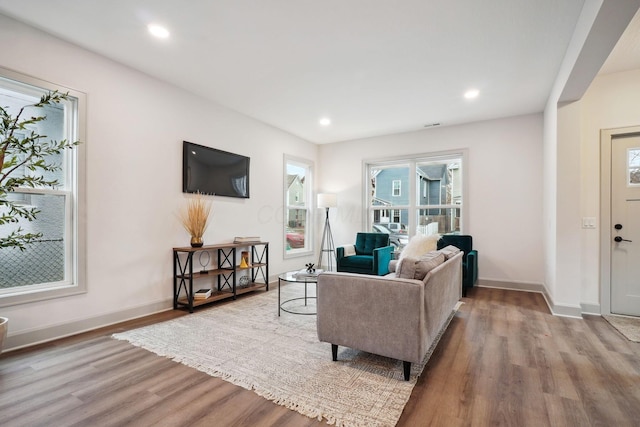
(195, 218)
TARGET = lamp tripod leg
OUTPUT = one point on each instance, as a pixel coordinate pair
(327, 245)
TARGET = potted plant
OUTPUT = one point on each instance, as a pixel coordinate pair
(23, 147)
(195, 219)
(31, 151)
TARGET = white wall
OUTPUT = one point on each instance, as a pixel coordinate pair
(505, 188)
(600, 25)
(612, 101)
(135, 129)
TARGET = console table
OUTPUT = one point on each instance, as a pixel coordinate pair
(220, 272)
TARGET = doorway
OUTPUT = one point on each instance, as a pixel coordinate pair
(620, 226)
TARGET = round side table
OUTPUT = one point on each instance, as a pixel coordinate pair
(291, 277)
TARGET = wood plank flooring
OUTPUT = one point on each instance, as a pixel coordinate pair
(504, 360)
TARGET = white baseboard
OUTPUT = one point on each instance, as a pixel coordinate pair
(26, 339)
(593, 309)
(514, 286)
(563, 310)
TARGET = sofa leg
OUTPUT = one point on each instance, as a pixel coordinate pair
(334, 352)
(406, 366)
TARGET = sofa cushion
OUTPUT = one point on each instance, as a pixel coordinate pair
(417, 268)
(449, 251)
(359, 262)
(419, 245)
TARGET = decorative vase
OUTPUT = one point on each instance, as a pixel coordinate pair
(244, 260)
(196, 242)
(4, 327)
(244, 281)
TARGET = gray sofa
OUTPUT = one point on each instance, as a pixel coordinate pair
(389, 316)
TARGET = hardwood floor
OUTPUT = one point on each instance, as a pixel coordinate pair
(504, 360)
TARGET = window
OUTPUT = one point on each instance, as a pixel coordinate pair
(52, 265)
(297, 197)
(434, 202)
(388, 205)
(396, 188)
(439, 210)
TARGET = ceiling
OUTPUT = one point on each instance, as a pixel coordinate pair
(373, 67)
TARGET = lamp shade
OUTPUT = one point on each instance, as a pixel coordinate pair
(327, 200)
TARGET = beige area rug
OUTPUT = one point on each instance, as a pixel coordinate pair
(627, 326)
(280, 358)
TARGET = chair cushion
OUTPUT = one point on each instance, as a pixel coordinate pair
(417, 268)
(359, 262)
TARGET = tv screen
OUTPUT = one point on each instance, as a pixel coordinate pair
(211, 171)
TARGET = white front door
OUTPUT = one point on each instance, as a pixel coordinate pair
(625, 225)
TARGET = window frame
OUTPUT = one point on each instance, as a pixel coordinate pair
(308, 206)
(74, 192)
(413, 206)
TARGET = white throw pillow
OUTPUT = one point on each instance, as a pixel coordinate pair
(349, 250)
(419, 245)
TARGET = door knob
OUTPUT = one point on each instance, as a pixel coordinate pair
(619, 239)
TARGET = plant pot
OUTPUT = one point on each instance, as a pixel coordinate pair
(196, 242)
(4, 327)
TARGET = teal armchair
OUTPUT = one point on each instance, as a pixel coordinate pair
(469, 261)
(371, 254)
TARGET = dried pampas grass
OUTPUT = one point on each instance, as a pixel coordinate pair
(195, 217)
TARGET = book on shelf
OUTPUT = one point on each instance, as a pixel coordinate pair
(202, 294)
(304, 273)
(246, 240)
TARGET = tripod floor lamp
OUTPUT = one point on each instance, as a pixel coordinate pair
(327, 247)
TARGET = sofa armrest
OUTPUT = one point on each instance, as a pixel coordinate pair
(443, 289)
(384, 316)
(381, 259)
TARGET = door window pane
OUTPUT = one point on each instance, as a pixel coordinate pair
(633, 166)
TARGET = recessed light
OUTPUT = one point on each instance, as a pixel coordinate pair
(472, 93)
(325, 121)
(158, 31)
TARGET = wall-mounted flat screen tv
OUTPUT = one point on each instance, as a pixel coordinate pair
(211, 171)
